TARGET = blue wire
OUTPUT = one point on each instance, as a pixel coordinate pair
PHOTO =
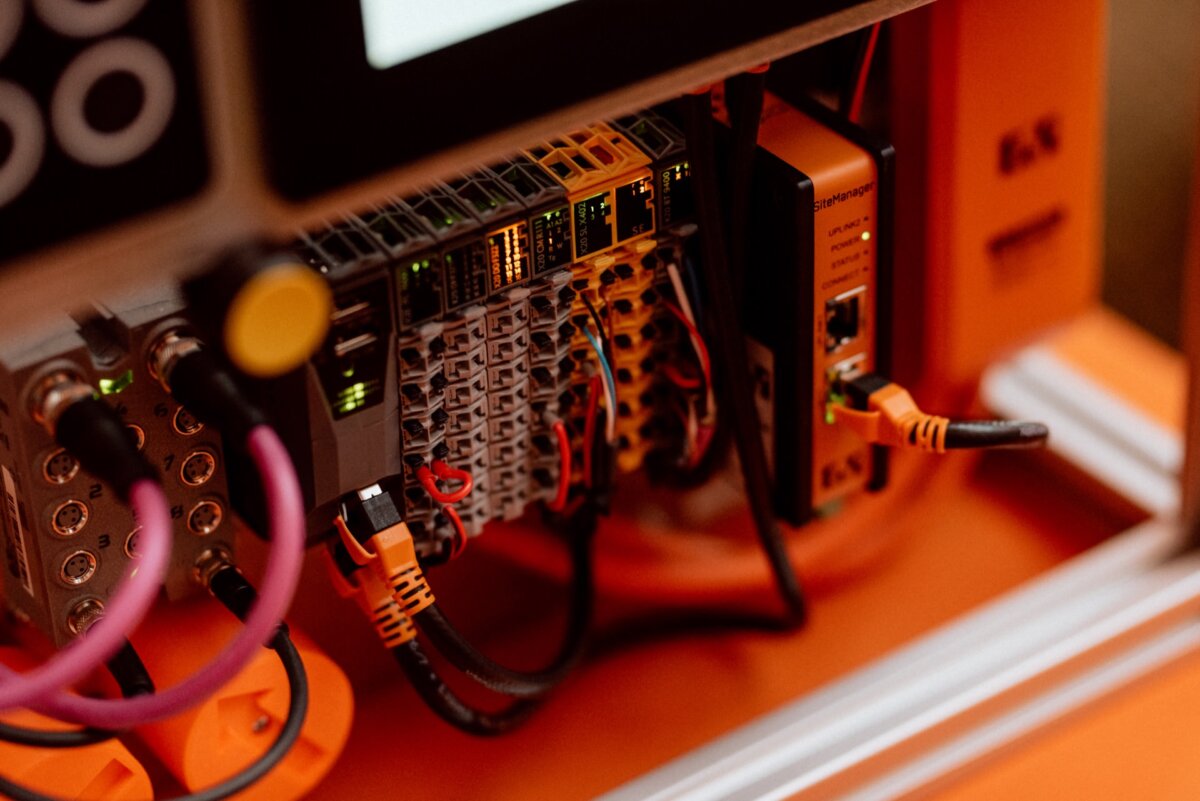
(612, 385)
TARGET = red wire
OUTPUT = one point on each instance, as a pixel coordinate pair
(860, 82)
(445, 472)
(564, 467)
(589, 427)
(460, 531)
(701, 348)
(676, 377)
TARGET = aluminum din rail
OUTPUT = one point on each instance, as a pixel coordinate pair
(914, 718)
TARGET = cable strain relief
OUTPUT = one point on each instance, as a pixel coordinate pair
(860, 390)
(206, 387)
(95, 434)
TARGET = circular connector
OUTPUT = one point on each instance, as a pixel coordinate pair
(185, 423)
(69, 518)
(138, 434)
(131, 543)
(56, 393)
(78, 568)
(205, 517)
(60, 467)
(209, 563)
(83, 614)
(197, 468)
(166, 352)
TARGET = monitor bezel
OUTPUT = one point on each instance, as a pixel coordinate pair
(327, 120)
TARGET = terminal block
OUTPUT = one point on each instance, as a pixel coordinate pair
(506, 227)
(666, 147)
(549, 373)
(462, 250)
(467, 410)
(549, 214)
(632, 301)
(414, 263)
(608, 183)
(422, 396)
(508, 402)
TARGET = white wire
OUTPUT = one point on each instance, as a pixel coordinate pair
(610, 390)
(681, 295)
(685, 306)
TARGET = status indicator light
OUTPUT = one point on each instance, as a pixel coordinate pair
(111, 386)
(353, 397)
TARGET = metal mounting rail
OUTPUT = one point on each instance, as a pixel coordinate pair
(911, 719)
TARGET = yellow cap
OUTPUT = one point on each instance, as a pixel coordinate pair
(277, 319)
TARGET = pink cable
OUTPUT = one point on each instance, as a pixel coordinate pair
(285, 506)
(138, 591)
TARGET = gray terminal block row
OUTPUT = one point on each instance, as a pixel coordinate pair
(67, 539)
(423, 423)
(508, 403)
(467, 411)
(550, 332)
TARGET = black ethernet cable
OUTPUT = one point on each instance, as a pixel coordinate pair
(581, 528)
(883, 412)
(730, 357)
(992, 434)
(448, 706)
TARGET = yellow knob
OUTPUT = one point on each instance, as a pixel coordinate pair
(277, 319)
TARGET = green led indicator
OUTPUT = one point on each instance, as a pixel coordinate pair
(832, 398)
(111, 386)
(352, 397)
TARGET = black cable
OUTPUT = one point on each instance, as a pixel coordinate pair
(744, 100)
(624, 634)
(995, 434)
(130, 672)
(730, 356)
(448, 706)
(600, 329)
(42, 738)
(133, 679)
(517, 683)
(288, 735)
(208, 389)
(93, 432)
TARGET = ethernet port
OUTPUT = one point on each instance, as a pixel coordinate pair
(844, 318)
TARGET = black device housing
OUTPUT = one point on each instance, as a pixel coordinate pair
(778, 304)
